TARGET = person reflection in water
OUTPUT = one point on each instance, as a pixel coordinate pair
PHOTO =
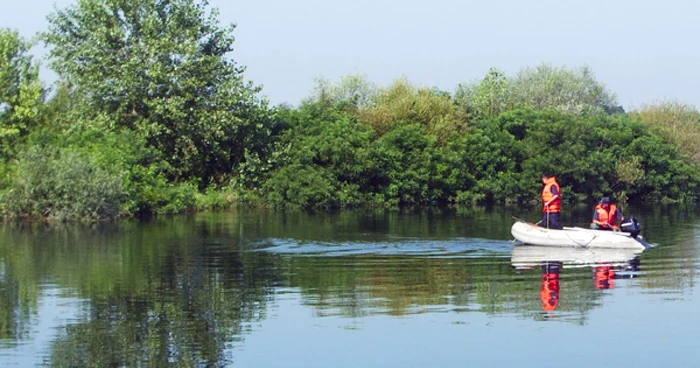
(604, 277)
(550, 285)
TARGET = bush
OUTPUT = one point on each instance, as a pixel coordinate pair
(89, 174)
(214, 198)
(324, 161)
(408, 163)
(64, 185)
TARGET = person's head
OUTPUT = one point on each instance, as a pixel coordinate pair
(605, 202)
(546, 176)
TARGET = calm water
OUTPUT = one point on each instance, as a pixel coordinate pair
(430, 288)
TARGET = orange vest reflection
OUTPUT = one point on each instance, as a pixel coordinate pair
(550, 288)
(604, 277)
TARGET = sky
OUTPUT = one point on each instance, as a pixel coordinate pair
(644, 51)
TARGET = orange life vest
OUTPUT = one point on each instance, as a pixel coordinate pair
(555, 205)
(612, 216)
(606, 218)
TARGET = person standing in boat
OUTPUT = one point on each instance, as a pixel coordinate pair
(551, 199)
(606, 216)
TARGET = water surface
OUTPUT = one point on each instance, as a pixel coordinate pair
(435, 287)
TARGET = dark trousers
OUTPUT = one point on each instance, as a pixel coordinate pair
(551, 220)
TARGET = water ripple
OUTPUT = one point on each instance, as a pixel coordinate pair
(453, 248)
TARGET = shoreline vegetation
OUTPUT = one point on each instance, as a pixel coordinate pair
(151, 115)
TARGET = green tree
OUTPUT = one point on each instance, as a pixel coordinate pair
(678, 122)
(572, 90)
(412, 166)
(490, 97)
(354, 89)
(569, 90)
(60, 184)
(324, 160)
(403, 103)
(21, 91)
(591, 154)
(161, 68)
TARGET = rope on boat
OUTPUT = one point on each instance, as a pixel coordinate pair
(579, 244)
(584, 245)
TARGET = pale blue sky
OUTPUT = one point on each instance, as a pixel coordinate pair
(643, 50)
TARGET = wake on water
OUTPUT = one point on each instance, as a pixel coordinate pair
(435, 248)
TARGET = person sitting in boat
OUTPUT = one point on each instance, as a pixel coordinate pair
(606, 216)
(618, 217)
(551, 199)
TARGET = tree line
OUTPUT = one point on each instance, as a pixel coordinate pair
(151, 115)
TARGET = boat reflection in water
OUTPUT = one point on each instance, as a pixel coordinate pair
(605, 263)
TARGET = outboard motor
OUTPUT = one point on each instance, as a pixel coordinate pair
(632, 226)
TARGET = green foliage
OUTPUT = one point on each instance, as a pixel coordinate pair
(591, 154)
(486, 166)
(161, 69)
(628, 172)
(7, 172)
(328, 158)
(325, 161)
(677, 122)
(144, 172)
(302, 186)
(21, 92)
(65, 109)
(490, 97)
(403, 104)
(214, 198)
(573, 91)
(88, 174)
(409, 160)
(63, 185)
(353, 90)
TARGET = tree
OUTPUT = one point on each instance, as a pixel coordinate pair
(573, 91)
(677, 122)
(21, 91)
(568, 90)
(323, 160)
(489, 98)
(403, 103)
(354, 89)
(161, 68)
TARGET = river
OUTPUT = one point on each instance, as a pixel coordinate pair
(433, 287)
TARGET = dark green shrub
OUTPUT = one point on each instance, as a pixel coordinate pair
(64, 185)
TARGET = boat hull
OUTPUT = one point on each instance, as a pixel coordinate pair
(529, 233)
